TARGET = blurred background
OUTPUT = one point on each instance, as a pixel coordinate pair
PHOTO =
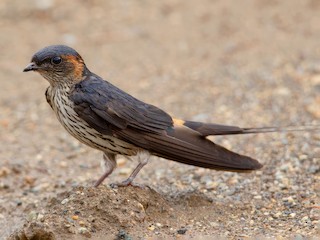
(251, 64)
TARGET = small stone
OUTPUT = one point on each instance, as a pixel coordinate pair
(277, 214)
(40, 217)
(64, 201)
(123, 235)
(199, 224)
(29, 180)
(19, 202)
(83, 230)
(159, 225)
(182, 230)
(214, 224)
(234, 180)
(40, 187)
(305, 220)
(121, 162)
(298, 237)
(303, 157)
(292, 215)
(75, 217)
(258, 197)
(290, 199)
(4, 171)
(315, 213)
(63, 164)
(82, 223)
(283, 91)
(125, 171)
(211, 185)
(32, 216)
(141, 207)
(151, 227)
(313, 107)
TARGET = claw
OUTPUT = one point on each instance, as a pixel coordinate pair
(126, 183)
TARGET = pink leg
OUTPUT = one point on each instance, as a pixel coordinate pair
(109, 164)
(132, 176)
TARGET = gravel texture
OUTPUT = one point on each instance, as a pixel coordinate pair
(254, 63)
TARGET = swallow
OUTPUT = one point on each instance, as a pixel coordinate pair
(108, 119)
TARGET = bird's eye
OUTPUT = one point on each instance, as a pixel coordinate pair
(56, 60)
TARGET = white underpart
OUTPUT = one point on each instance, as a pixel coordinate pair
(63, 108)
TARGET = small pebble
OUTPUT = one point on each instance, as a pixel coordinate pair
(315, 214)
(83, 230)
(305, 220)
(32, 216)
(19, 202)
(214, 224)
(151, 227)
(159, 225)
(63, 164)
(121, 162)
(40, 217)
(182, 230)
(292, 215)
(64, 201)
(125, 171)
(123, 235)
(75, 217)
(211, 185)
(4, 171)
(277, 214)
(29, 180)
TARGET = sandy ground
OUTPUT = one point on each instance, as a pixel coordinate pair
(254, 63)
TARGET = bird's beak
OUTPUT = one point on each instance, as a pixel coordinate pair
(31, 67)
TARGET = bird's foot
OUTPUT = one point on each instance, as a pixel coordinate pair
(125, 183)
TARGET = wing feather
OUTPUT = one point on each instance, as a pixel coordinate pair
(110, 110)
(119, 108)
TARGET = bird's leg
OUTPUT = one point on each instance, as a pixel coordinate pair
(109, 164)
(143, 160)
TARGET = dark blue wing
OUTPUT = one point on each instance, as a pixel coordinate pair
(99, 102)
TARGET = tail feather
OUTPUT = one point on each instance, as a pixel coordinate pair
(186, 142)
(209, 129)
(186, 146)
(205, 154)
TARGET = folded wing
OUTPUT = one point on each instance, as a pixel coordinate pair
(111, 111)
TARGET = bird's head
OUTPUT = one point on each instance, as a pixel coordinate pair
(58, 64)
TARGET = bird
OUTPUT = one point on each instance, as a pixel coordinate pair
(106, 118)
